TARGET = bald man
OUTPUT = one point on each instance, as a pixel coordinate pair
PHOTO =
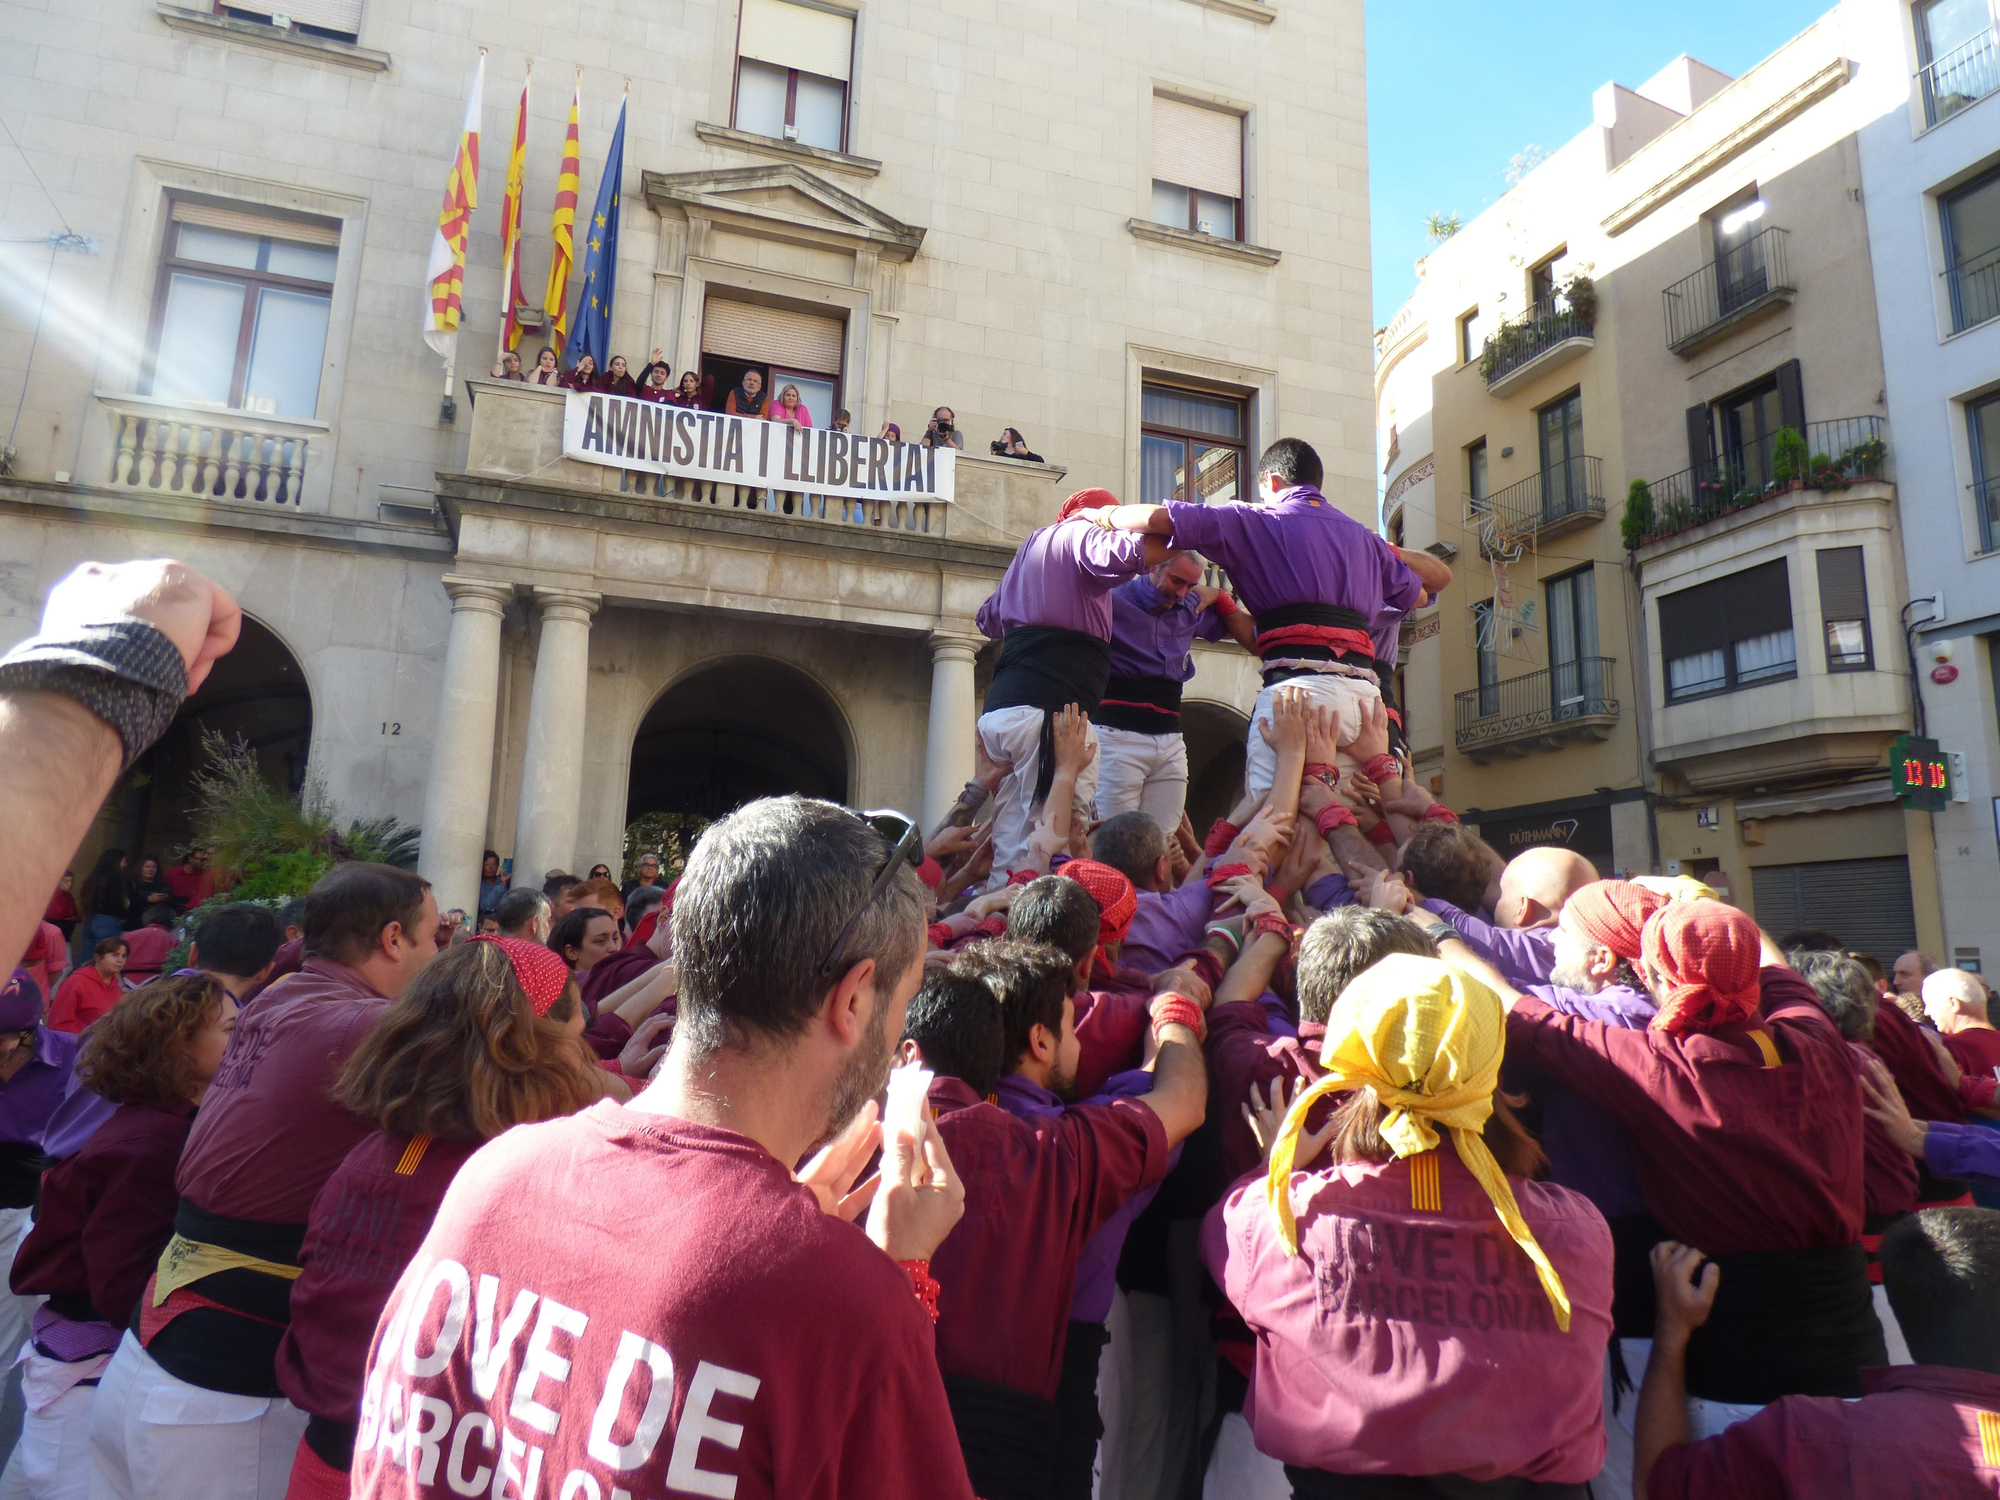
(1955, 1002)
(1537, 882)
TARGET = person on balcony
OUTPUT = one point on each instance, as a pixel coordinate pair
(790, 409)
(617, 380)
(748, 399)
(653, 380)
(508, 367)
(547, 370)
(582, 376)
(692, 392)
(1010, 444)
(891, 432)
(943, 430)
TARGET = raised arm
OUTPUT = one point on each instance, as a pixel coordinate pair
(1180, 1078)
(1432, 570)
(1150, 518)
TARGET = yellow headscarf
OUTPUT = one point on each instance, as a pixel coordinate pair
(1427, 1040)
(1678, 887)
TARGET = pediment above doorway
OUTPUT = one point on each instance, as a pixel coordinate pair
(781, 201)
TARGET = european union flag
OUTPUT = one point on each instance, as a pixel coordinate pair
(600, 260)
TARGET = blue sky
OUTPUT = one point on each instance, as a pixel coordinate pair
(1457, 87)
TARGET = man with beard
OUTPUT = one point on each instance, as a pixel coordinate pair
(1043, 1179)
(648, 1298)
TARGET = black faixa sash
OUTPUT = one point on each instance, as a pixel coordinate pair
(1787, 1323)
(1318, 1484)
(1144, 705)
(1047, 667)
(1007, 1436)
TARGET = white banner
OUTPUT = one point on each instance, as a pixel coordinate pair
(655, 438)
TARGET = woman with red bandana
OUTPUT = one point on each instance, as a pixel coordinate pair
(485, 1038)
(1742, 1110)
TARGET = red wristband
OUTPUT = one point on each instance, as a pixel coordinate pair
(939, 934)
(1224, 605)
(1335, 815)
(1437, 812)
(1382, 836)
(1319, 770)
(923, 1285)
(1381, 767)
(1177, 1010)
(1221, 834)
(1226, 872)
(1275, 923)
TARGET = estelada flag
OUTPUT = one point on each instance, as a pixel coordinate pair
(510, 226)
(563, 229)
(445, 274)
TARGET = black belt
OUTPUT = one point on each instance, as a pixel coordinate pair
(1787, 1323)
(214, 1347)
(1007, 1437)
(1143, 705)
(1318, 1484)
(1048, 667)
(1079, 1423)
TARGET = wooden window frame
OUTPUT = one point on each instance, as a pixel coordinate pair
(253, 282)
(1187, 437)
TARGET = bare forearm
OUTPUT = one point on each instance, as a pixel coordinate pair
(1432, 570)
(58, 761)
(1242, 629)
(1180, 1084)
(1250, 975)
(1661, 1421)
(1353, 853)
(1284, 798)
(1152, 518)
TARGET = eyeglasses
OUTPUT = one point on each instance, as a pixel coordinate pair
(906, 845)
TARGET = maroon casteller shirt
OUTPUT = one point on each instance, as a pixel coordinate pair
(1035, 1191)
(623, 1301)
(1241, 1054)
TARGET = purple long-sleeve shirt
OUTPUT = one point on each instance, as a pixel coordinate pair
(1166, 925)
(1970, 1152)
(1299, 550)
(1097, 1266)
(1063, 576)
(31, 1095)
(1586, 1144)
(1154, 636)
(1523, 955)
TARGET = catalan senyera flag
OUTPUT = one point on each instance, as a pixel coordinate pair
(445, 274)
(562, 227)
(510, 226)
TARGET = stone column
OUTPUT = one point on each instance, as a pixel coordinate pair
(948, 748)
(461, 772)
(552, 764)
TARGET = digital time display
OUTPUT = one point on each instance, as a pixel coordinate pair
(1919, 773)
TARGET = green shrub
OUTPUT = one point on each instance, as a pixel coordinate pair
(1638, 519)
(1788, 457)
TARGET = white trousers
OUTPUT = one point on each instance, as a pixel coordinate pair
(52, 1459)
(1705, 1419)
(1013, 737)
(1239, 1470)
(1141, 773)
(1347, 696)
(156, 1437)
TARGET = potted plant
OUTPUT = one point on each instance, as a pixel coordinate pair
(1788, 458)
(1581, 294)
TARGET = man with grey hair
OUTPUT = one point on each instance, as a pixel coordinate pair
(689, 1232)
(1908, 975)
(1955, 1002)
(524, 913)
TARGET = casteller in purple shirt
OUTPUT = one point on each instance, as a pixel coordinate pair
(1062, 576)
(1523, 955)
(1300, 549)
(1585, 1144)
(1097, 1266)
(1154, 636)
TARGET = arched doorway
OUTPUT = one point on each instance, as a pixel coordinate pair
(258, 694)
(1214, 737)
(734, 730)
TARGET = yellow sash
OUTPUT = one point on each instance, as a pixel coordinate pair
(186, 1261)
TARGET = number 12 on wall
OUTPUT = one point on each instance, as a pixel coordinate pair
(389, 726)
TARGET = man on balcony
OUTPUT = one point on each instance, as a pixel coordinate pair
(1315, 580)
(1155, 621)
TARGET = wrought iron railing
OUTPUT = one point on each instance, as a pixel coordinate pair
(1537, 704)
(1826, 456)
(1974, 286)
(1735, 279)
(1964, 75)
(1548, 323)
(1569, 488)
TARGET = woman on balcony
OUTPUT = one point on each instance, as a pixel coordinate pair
(618, 381)
(690, 392)
(547, 371)
(582, 376)
(790, 410)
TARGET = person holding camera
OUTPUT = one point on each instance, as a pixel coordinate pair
(1010, 444)
(943, 430)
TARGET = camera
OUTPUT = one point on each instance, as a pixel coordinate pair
(999, 446)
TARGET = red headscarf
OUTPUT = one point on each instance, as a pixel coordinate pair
(1613, 913)
(1085, 500)
(541, 970)
(648, 924)
(1116, 897)
(1707, 955)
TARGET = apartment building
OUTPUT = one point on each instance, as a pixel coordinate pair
(1137, 233)
(1677, 526)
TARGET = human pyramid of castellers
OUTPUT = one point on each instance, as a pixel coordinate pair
(1055, 1151)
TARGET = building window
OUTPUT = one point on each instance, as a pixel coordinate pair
(1982, 420)
(1731, 633)
(1565, 476)
(1576, 671)
(1475, 474)
(793, 63)
(1471, 337)
(1959, 54)
(1485, 629)
(1971, 223)
(1843, 607)
(1742, 267)
(1542, 282)
(780, 346)
(1197, 168)
(339, 20)
(240, 311)
(1191, 446)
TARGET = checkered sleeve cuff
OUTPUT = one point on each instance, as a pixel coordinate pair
(125, 671)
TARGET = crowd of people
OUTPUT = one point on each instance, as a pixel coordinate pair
(1054, 1151)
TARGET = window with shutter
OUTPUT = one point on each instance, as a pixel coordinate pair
(1843, 607)
(1728, 633)
(772, 335)
(794, 63)
(340, 19)
(1866, 903)
(1197, 168)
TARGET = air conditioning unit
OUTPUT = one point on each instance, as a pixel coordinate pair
(791, 132)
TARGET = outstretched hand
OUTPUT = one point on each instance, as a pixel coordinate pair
(920, 1199)
(1371, 733)
(1075, 746)
(831, 1172)
(1883, 1102)
(1684, 1287)
(1267, 1114)
(1286, 727)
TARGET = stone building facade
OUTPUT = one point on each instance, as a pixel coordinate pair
(1137, 233)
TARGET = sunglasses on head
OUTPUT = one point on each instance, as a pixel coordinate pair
(906, 846)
